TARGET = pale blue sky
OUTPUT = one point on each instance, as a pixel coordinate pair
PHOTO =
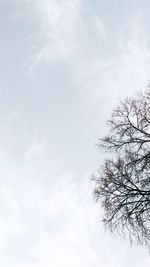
(64, 64)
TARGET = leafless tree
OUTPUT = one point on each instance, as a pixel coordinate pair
(123, 182)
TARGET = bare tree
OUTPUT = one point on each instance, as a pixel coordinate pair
(123, 182)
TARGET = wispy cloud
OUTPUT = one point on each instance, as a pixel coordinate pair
(101, 29)
(58, 21)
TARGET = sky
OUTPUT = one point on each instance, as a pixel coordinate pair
(64, 65)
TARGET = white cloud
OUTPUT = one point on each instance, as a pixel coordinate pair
(99, 25)
(50, 224)
(58, 28)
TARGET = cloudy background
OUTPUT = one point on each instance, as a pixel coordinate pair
(64, 64)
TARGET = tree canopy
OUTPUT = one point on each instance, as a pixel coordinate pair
(123, 181)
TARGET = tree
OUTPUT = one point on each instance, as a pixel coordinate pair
(123, 182)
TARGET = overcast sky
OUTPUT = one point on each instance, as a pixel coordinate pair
(64, 64)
